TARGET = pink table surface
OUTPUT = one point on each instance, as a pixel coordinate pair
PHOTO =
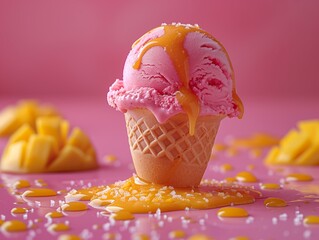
(106, 128)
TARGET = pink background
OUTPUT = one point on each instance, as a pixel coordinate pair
(78, 48)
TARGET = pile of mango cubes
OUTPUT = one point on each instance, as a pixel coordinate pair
(298, 147)
(40, 140)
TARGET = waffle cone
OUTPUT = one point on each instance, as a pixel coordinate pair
(165, 153)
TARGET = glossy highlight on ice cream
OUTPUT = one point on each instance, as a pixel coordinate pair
(174, 69)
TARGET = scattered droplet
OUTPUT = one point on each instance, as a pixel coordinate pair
(246, 177)
(19, 210)
(311, 219)
(122, 215)
(39, 192)
(69, 237)
(54, 214)
(226, 167)
(177, 234)
(270, 186)
(232, 212)
(74, 206)
(58, 227)
(275, 202)
(200, 237)
(301, 177)
(14, 226)
(21, 184)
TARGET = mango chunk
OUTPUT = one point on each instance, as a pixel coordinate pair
(71, 159)
(50, 126)
(272, 155)
(24, 112)
(9, 121)
(40, 151)
(12, 160)
(309, 157)
(48, 148)
(65, 128)
(292, 145)
(298, 147)
(79, 139)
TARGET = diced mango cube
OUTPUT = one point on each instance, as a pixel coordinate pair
(272, 155)
(9, 121)
(71, 159)
(292, 146)
(40, 151)
(27, 112)
(65, 127)
(12, 160)
(309, 126)
(50, 126)
(22, 134)
(79, 139)
(309, 156)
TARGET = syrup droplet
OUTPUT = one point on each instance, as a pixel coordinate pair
(40, 182)
(246, 177)
(200, 237)
(231, 152)
(270, 186)
(226, 167)
(21, 184)
(219, 147)
(239, 238)
(255, 153)
(311, 219)
(139, 236)
(232, 212)
(110, 158)
(275, 202)
(230, 179)
(14, 226)
(19, 210)
(177, 234)
(74, 206)
(54, 214)
(301, 177)
(113, 236)
(122, 215)
(58, 227)
(69, 237)
(39, 192)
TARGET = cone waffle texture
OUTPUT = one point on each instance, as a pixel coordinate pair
(166, 153)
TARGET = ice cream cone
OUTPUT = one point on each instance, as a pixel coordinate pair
(165, 153)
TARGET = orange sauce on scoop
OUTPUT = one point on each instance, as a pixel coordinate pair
(172, 41)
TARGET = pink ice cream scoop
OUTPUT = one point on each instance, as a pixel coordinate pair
(172, 58)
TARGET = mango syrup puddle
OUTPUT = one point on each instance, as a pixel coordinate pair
(135, 196)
